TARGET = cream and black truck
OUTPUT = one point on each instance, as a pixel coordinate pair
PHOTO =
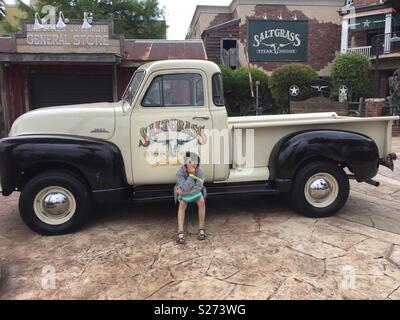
(64, 159)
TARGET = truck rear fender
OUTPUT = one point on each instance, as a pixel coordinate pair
(353, 150)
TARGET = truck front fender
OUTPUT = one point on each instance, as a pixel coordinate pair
(358, 152)
(99, 162)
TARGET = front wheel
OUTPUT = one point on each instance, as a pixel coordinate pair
(55, 203)
(320, 189)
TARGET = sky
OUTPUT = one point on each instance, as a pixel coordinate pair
(179, 14)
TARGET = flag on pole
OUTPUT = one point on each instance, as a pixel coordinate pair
(249, 69)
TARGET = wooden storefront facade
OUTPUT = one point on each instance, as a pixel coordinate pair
(59, 67)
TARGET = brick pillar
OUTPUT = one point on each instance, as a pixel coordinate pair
(373, 107)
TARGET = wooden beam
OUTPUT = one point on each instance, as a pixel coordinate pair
(3, 94)
(115, 83)
(74, 58)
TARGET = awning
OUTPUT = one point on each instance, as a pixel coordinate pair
(224, 25)
(374, 22)
(152, 50)
(69, 58)
(368, 23)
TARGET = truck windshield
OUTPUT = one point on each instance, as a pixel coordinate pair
(133, 87)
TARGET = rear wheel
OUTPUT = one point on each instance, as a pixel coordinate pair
(320, 189)
(54, 203)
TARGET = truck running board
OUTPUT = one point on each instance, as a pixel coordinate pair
(165, 192)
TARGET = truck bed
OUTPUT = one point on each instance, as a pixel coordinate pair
(270, 129)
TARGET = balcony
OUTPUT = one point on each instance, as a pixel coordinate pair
(387, 44)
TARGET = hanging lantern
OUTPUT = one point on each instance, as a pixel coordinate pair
(87, 19)
(37, 25)
(61, 23)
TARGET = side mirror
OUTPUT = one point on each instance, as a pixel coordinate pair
(125, 106)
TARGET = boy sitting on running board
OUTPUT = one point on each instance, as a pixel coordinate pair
(189, 189)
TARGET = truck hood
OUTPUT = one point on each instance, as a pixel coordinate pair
(90, 120)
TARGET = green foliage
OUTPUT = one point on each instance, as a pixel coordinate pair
(237, 90)
(354, 71)
(135, 19)
(8, 28)
(291, 74)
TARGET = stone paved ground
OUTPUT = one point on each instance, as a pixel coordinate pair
(258, 248)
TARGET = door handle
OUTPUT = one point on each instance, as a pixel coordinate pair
(201, 118)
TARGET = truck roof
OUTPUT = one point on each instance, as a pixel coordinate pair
(207, 67)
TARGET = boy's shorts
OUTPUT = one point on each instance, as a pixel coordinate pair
(192, 198)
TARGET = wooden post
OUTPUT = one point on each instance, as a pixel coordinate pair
(377, 77)
(115, 82)
(3, 94)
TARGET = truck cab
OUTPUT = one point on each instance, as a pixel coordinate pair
(173, 107)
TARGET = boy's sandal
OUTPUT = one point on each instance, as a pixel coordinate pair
(180, 239)
(202, 235)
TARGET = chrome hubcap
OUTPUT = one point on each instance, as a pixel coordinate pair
(54, 205)
(321, 190)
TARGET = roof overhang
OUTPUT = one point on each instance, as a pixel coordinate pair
(367, 10)
(153, 50)
(221, 26)
(60, 58)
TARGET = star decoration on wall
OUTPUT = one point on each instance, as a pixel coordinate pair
(294, 90)
(367, 23)
(343, 90)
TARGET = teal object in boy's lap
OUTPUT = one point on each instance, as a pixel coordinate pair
(192, 198)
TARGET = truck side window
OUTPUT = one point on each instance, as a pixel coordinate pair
(153, 95)
(175, 90)
(218, 90)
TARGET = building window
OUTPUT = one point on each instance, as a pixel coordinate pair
(175, 90)
(229, 53)
(349, 3)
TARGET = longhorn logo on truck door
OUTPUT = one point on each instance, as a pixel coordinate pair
(162, 140)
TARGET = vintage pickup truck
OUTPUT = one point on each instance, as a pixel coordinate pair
(63, 159)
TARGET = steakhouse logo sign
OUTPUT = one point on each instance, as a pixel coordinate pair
(277, 40)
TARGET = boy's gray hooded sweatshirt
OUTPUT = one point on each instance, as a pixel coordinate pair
(187, 184)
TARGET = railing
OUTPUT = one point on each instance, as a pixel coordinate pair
(386, 44)
(363, 50)
(392, 111)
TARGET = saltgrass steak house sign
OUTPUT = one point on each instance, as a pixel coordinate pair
(72, 38)
(277, 40)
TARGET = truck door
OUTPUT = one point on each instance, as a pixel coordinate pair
(171, 117)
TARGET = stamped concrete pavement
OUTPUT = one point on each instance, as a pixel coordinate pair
(258, 248)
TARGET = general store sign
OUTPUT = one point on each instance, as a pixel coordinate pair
(277, 40)
(70, 39)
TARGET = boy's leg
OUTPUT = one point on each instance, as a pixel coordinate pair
(181, 216)
(202, 212)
